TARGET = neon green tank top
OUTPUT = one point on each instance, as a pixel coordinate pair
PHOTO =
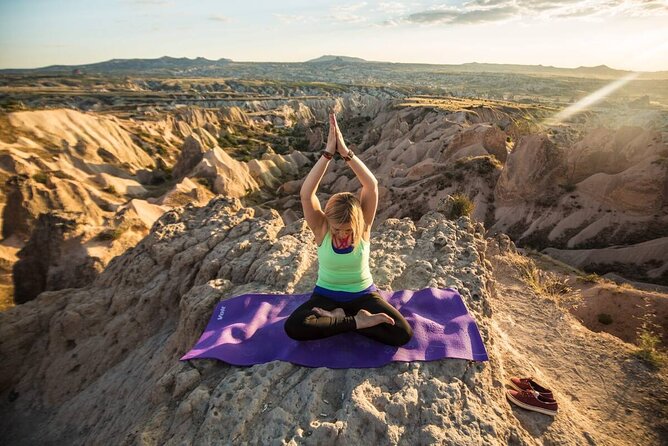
(344, 272)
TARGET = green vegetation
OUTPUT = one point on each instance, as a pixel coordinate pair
(40, 177)
(116, 233)
(542, 282)
(568, 187)
(461, 206)
(110, 189)
(591, 278)
(525, 125)
(112, 234)
(648, 342)
(483, 164)
(604, 318)
(246, 144)
(662, 160)
(206, 182)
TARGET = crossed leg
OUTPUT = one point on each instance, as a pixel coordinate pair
(396, 334)
(320, 317)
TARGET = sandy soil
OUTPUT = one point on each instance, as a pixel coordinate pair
(599, 384)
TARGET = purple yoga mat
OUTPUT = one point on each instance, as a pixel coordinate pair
(248, 329)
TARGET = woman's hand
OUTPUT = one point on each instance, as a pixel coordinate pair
(340, 143)
(331, 137)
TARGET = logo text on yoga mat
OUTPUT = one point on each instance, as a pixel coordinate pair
(221, 313)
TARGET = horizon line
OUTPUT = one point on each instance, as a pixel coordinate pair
(330, 55)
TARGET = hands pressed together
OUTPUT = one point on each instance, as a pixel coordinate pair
(335, 142)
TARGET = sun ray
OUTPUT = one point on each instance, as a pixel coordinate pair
(590, 99)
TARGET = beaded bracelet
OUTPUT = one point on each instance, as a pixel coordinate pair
(350, 155)
(327, 155)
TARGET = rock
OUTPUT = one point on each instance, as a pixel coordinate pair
(53, 258)
(532, 171)
(191, 155)
(151, 304)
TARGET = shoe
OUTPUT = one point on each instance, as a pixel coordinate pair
(531, 400)
(530, 384)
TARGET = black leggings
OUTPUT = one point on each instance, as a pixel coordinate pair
(305, 325)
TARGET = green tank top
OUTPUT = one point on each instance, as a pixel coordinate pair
(344, 272)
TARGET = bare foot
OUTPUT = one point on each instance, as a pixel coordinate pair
(364, 319)
(338, 312)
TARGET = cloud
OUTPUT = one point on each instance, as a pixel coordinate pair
(486, 15)
(220, 18)
(488, 3)
(434, 16)
(578, 12)
(291, 18)
(151, 2)
(392, 8)
(347, 13)
(481, 11)
(463, 16)
(641, 8)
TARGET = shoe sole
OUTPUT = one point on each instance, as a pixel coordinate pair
(516, 387)
(529, 407)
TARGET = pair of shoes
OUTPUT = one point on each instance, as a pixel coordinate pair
(530, 384)
(532, 396)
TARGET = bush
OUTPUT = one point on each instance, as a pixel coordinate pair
(118, 231)
(542, 282)
(604, 318)
(461, 206)
(648, 342)
(110, 189)
(591, 278)
(206, 182)
(40, 177)
(111, 234)
(569, 187)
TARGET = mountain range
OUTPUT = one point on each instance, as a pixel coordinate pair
(201, 66)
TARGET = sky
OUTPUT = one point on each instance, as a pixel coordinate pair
(622, 34)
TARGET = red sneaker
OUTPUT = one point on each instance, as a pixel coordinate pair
(530, 384)
(531, 400)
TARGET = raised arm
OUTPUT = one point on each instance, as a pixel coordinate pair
(315, 217)
(369, 193)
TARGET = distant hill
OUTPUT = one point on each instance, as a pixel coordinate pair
(329, 58)
(164, 64)
(313, 70)
(601, 70)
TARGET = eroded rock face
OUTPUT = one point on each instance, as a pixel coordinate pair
(53, 258)
(532, 171)
(609, 188)
(191, 154)
(150, 305)
(609, 151)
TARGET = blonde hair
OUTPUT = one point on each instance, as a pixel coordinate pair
(343, 208)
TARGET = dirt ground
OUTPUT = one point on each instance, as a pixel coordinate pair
(601, 386)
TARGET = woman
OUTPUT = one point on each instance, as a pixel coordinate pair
(344, 298)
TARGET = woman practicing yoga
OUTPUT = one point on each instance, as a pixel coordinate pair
(344, 298)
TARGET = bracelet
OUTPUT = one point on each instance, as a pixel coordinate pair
(350, 155)
(327, 155)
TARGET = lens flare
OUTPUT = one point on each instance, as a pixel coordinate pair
(590, 99)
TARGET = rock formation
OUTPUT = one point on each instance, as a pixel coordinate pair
(53, 258)
(100, 364)
(608, 187)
